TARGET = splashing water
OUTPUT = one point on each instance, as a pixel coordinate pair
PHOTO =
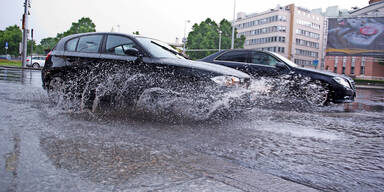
(163, 96)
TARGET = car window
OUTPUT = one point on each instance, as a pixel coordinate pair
(71, 44)
(263, 59)
(238, 56)
(118, 44)
(158, 49)
(89, 44)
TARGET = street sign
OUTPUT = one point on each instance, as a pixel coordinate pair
(315, 62)
(6, 45)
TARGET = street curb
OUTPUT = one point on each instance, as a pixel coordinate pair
(13, 67)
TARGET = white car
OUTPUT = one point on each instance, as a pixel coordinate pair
(36, 62)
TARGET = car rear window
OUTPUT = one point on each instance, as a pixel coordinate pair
(71, 44)
(89, 44)
(237, 56)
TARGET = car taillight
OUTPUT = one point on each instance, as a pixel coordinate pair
(49, 54)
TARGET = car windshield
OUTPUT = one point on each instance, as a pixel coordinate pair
(287, 61)
(159, 49)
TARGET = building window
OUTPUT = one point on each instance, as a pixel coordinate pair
(302, 62)
(308, 34)
(353, 65)
(308, 24)
(306, 43)
(336, 63)
(307, 53)
(362, 66)
(265, 40)
(344, 64)
(262, 21)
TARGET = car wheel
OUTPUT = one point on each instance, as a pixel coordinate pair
(36, 65)
(56, 89)
(317, 94)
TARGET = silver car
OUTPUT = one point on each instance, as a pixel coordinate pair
(35, 62)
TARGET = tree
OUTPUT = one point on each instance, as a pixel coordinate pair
(83, 25)
(13, 36)
(206, 36)
(46, 44)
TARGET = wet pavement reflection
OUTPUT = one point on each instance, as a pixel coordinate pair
(44, 147)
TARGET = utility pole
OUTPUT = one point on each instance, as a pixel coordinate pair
(233, 25)
(27, 5)
(220, 32)
(31, 45)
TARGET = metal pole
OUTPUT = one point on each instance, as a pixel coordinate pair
(184, 39)
(31, 45)
(233, 25)
(220, 40)
(25, 33)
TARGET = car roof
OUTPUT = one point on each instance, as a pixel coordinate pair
(61, 43)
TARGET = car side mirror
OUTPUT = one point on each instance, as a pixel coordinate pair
(132, 52)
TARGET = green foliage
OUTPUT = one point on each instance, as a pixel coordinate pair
(206, 36)
(83, 25)
(136, 33)
(46, 45)
(13, 36)
(10, 63)
(369, 82)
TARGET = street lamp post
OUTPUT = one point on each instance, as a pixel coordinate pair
(184, 39)
(233, 25)
(27, 5)
(220, 32)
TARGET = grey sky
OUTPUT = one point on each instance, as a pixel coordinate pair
(161, 19)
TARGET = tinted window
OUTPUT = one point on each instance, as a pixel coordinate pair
(263, 59)
(71, 44)
(238, 56)
(118, 44)
(158, 48)
(89, 44)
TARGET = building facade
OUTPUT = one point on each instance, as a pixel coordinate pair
(294, 32)
(359, 67)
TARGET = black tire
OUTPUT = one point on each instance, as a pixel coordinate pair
(56, 89)
(36, 65)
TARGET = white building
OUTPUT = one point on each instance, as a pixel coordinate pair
(294, 32)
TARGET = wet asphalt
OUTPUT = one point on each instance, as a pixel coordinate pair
(44, 147)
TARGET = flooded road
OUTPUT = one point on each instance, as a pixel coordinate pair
(45, 147)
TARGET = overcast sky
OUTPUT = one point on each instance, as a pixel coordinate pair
(161, 19)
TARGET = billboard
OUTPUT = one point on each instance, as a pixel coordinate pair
(356, 37)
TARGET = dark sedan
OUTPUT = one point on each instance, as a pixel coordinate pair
(334, 88)
(81, 63)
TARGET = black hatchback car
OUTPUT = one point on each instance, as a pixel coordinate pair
(91, 55)
(334, 88)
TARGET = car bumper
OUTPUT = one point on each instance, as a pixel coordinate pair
(344, 95)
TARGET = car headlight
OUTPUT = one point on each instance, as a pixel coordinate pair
(342, 82)
(227, 81)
